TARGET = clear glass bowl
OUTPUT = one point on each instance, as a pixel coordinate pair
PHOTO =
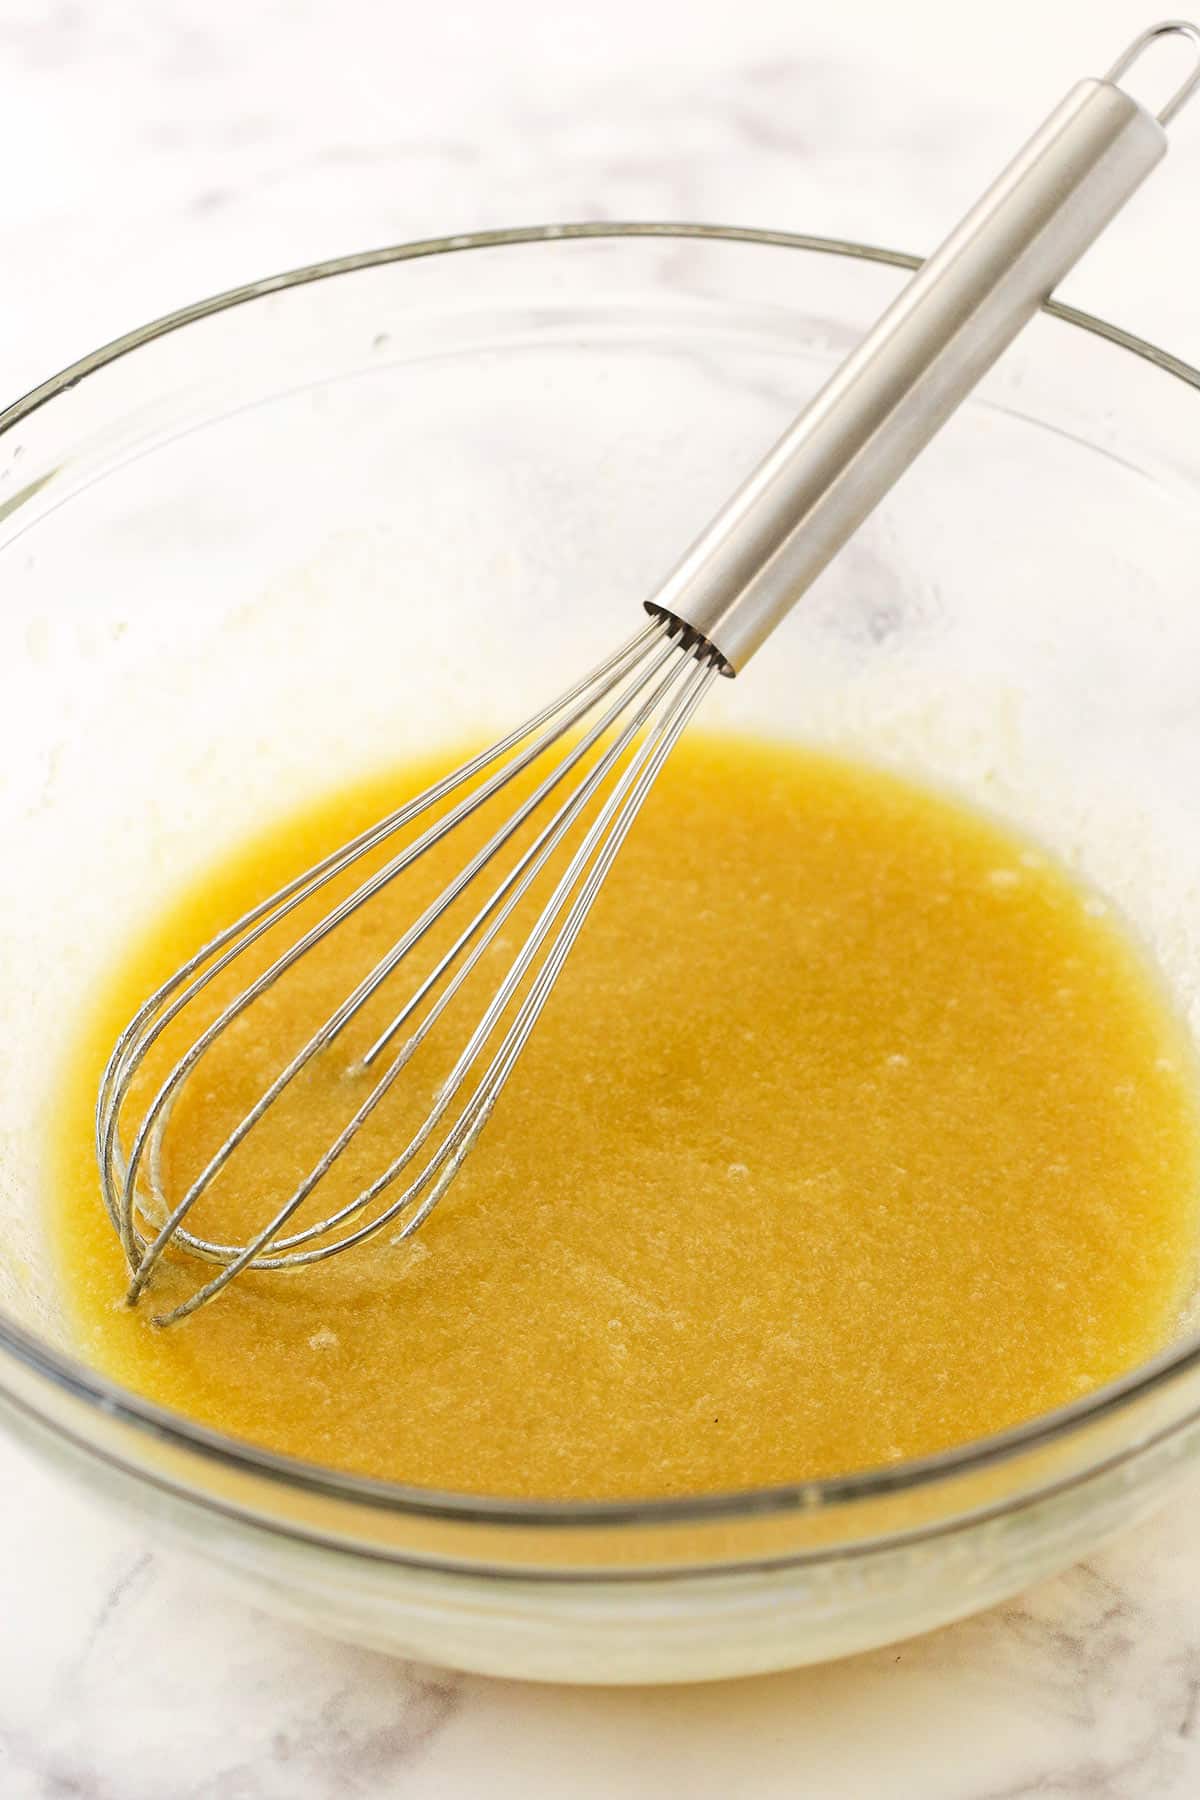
(348, 512)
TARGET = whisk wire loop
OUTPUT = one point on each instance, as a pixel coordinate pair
(620, 722)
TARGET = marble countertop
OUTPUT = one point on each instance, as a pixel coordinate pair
(161, 150)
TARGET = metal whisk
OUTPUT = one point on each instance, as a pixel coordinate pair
(616, 728)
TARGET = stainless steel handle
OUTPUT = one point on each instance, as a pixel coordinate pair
(930, 348)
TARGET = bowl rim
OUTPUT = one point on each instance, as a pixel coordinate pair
(80, 1382)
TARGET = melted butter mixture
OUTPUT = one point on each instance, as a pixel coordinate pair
(853, 1130)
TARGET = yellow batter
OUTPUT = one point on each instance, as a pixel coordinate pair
(853, 1130)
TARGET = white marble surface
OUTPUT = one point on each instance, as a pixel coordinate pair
(157, 150)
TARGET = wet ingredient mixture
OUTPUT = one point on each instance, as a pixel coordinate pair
(895, 1145)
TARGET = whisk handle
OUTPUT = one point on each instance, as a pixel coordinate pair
(930, 348)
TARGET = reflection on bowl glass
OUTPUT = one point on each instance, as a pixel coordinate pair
(312, 526)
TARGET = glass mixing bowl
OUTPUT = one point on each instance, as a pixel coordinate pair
(350, 512)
